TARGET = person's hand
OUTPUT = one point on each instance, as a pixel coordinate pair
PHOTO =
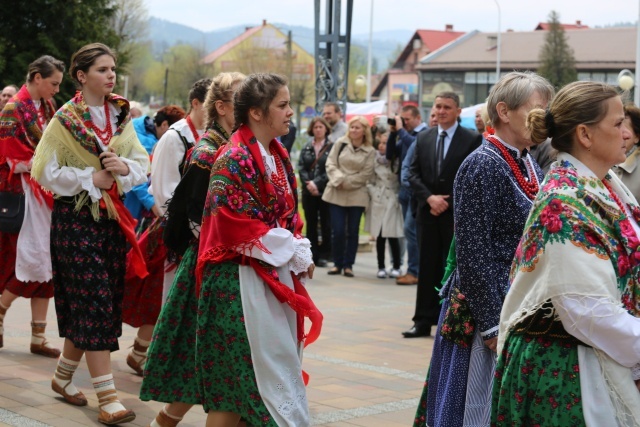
(438, 204)
(103, 179)
(156, 210)
(308, 273)
(113, 163)
(492, 344)
(313, 188)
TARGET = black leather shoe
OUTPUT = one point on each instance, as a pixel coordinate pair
(334, 271)
(321, 263)
(418, 331)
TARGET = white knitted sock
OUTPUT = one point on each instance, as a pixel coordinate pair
(64, 374)
(107, 396)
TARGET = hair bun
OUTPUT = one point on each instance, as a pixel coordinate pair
(550, 123)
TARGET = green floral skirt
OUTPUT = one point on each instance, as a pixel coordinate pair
(223, 355)
(170, 371)
(537, 383)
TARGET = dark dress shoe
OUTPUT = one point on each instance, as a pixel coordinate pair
(418, 331)
(334, 271)
(321, 263)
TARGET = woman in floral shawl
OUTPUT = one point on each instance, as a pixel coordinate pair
(569, 334)
(170, 371)
(25, 260)
(88, 157)
(251, 259)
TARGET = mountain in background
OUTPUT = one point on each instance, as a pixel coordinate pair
(164, 34)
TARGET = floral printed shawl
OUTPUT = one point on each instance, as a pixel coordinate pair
(71, 139)
(241, 207)
(578, 242)
(20, 133)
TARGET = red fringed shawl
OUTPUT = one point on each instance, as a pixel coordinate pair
(20, 133)
(241, 207)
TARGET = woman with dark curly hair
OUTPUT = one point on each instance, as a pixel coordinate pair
(250, 264)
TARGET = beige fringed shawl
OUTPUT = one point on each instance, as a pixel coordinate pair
(577, 242)
(73, 143)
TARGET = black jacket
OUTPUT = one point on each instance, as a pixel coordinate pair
(422, 175)
(319, 174)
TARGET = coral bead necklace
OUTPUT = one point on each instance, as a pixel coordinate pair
(530, 187)
(104, 135)
(279, 178)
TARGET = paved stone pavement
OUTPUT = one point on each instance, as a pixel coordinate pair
(363, 372)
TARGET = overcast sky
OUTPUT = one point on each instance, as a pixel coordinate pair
(464, 15)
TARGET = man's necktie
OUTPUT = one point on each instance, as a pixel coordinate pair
(440, 152)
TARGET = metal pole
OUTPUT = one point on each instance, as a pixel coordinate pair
(166, 83)
(636, 88)
(498, 45)
(368, 97)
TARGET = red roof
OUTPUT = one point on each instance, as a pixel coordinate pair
(435, 39)
(208, 59)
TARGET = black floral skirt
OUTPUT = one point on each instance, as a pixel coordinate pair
(89, 260)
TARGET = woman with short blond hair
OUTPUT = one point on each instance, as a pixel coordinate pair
(349, 167)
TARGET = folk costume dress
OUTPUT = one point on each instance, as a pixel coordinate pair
(569, 335)
(90, 227)
(170, 370)
(251, 308)
(25, 260)
(491, 207)
(144, 298)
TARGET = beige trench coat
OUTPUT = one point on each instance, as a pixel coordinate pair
(348, 176)
(384, 213)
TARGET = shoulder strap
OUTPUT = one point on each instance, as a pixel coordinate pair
(320, 153)
(344, 144)
(187, 146)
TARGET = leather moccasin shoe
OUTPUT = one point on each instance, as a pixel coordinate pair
(77, 399)
(124, 416)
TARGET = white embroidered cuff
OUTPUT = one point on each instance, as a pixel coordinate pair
(302, 258)
(85, 177)
(134, 177)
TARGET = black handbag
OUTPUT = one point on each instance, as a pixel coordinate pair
(11, 212)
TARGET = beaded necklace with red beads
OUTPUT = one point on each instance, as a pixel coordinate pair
(279, 177)
(530, 187)
(615, 197)
(104, 135)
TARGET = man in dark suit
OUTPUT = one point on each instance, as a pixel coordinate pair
(439, 153)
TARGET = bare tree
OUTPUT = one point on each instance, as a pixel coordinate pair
(130, 23)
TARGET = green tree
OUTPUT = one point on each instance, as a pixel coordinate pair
(557, 63)
(184, 66)
(48, 27)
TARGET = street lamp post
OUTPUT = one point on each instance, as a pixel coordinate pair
(498, 45)
(369, 59)
(626, 80)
